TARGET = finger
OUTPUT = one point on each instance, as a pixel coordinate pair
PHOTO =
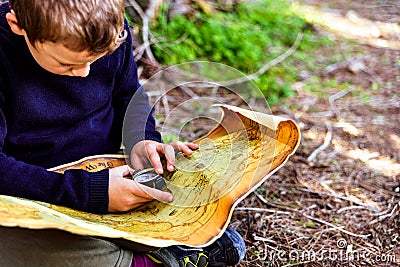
(128, 171)
(134, 202)
(154, 157)
(169, 153)
(193, 145)
(119, 171)
(187, 148)
(151, 193)
(137, 163)
(139, 201)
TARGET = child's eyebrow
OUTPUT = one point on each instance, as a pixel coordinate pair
(63, 63)
(69, 64)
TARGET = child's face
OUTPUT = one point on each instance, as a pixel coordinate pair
(57, 59)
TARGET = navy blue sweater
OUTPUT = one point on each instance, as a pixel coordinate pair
(47, 120)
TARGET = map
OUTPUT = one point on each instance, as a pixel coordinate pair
(233, 160)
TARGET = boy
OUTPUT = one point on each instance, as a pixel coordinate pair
(67, 75)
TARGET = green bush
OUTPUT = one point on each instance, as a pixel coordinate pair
(247, 38)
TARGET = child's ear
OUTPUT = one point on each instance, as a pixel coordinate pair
(13, 22)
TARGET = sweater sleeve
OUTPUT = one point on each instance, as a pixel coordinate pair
(76, 189)
(132, 103)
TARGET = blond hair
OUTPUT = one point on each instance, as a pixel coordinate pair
(96, 26)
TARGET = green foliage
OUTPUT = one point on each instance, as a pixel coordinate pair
(320, 87)
(169, 138)
(246, 39)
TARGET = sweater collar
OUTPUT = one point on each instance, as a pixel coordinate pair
(4, 9)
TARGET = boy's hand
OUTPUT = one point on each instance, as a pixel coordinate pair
(125, 194)
(148, 150)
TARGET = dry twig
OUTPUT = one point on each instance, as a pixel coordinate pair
(268, 65)
(335, 227)
(246, 78)
(145, 16)
(261, 210)
(327, 141)
(383, 217)
(338, 196)
(336, 96)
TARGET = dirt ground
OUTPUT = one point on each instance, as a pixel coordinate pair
(337, 201)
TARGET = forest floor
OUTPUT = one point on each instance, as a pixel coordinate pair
(336, 202)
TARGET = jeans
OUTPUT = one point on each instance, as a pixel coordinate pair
(50, 247)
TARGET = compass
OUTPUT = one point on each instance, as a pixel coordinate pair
(149, 177)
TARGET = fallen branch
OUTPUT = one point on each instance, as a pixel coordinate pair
(327, 141)
(352, 208)
(263, 239)
(336, 96)
(261, 210)
(263, 200)
(178, 74)
(335, 195)
(145, 16)
(267, 66)
(315, 219)
(385, 211)
(333, 226)
(381, 218)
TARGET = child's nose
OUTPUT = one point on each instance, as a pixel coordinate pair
(81, 71)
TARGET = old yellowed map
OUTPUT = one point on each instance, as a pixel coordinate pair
(233, 160)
